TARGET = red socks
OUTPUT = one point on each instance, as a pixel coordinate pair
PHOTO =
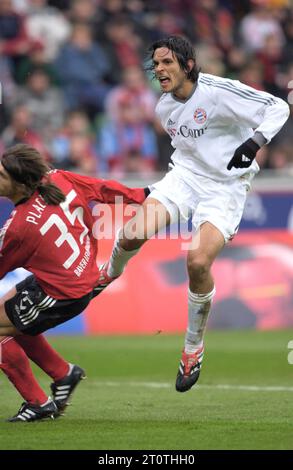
(16, 366)
(41, 353)
(14, 353)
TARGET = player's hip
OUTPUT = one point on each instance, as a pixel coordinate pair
(32, 311)
(203, 199)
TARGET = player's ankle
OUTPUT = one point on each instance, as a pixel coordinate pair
(190, 348)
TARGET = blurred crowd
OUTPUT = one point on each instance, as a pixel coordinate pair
(74, 86)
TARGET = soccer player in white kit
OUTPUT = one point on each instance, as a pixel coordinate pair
(216, 126)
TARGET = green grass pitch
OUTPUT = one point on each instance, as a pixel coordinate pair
(243, 400)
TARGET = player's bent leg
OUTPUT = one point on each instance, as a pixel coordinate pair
(204, 250)
(38, 350)
(11, 293)
(6, 327)
(205, 247)
(15, 365)
(151, 217)
(66, 376)
(9, 331)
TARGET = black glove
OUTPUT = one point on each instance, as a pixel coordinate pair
(244, 155)
(147, 191)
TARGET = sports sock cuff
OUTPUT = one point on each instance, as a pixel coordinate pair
(119, 259)
(192, 346)
(201, 298)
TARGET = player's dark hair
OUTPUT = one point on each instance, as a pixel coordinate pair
(183, 50)
(27, 167)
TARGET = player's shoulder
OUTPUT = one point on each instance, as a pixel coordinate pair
(207, 86)
(216, 82)
(163, 100)
(55, 174)
(163, 97)
(60, 177)
(222, 85)
(212, 81)
(165, 103)
(68, 179)
(216, 86)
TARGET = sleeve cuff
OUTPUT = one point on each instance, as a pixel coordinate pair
(259, 139)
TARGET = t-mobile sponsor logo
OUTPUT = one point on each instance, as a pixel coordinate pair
(188, 132)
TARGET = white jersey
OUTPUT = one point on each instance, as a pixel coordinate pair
(220, 115)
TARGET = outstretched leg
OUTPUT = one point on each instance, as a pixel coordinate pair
(151, 217)
(66, 376)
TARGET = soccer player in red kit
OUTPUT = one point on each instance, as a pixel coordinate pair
(50, 234)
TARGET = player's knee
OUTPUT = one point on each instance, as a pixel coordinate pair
(198, 267)
(130, 245)
(128, 242)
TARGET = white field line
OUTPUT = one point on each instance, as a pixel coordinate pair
(246, 388)
(161, 385)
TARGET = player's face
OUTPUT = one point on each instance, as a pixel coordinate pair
(169, 73)
(8, 187)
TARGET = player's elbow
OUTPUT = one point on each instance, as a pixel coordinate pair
(288, 110)
(285, 109)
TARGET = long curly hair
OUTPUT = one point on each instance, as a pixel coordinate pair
(26, 166)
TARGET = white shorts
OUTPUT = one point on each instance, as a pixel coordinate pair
(186, 194)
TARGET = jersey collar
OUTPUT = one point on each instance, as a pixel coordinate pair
(188, 97)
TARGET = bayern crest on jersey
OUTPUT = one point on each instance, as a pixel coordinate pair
(200, 116)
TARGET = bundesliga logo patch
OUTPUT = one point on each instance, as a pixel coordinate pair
(200, 116)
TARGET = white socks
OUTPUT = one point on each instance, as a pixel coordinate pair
(119, 258)
(199, 306)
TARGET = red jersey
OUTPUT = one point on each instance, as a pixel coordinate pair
(56, 243)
